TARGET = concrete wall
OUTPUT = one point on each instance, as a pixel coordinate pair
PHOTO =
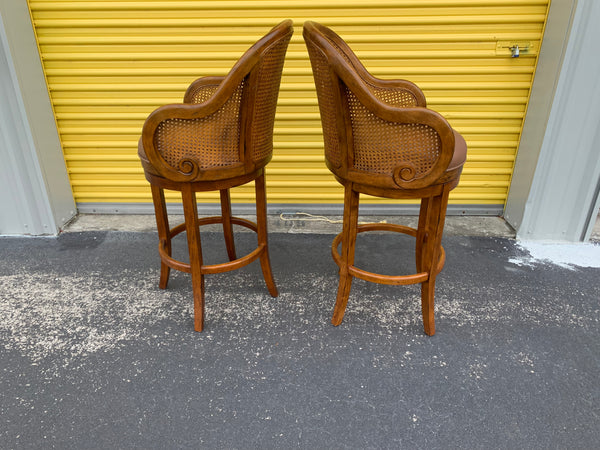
(556, 182)
(36, 196)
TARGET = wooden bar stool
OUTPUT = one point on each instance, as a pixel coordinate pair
(219, 138)
(381, 140)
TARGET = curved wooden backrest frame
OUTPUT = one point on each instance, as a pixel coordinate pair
(221, 137)
(349, 77)
(247, 70)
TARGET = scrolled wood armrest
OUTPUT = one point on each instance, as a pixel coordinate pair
(380, 86)
(202, 89)
(412, 115)
(185, 111)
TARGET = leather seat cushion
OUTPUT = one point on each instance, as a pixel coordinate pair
(460, 151)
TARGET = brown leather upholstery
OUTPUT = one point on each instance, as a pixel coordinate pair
(460, 152)
(381, 139)
(219, 138)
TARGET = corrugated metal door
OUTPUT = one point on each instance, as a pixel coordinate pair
(110, 63)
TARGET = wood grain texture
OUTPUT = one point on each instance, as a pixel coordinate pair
(382, 140)
(222, 137)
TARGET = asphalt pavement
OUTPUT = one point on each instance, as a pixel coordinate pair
(95, 355)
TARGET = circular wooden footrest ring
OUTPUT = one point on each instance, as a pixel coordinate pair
(212, 268)
(385, 279)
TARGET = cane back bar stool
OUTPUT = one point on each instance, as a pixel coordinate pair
(221, 137)
(381, 140)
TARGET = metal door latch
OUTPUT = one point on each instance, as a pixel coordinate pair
(514, 49)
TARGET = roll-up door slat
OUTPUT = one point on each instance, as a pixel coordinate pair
(108, 64)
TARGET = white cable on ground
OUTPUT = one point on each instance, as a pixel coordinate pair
(314, 218)
(308, 218)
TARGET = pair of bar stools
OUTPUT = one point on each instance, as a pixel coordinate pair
(379, 138)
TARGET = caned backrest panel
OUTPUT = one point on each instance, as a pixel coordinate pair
(356, 138)
(225, 126)
(329, 106)
(209, 142)
(265, 101)
(380, 146)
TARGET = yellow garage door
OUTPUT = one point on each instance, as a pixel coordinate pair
(110, 63)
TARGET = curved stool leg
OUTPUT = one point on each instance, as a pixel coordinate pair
(162, 226)
(261, 225)
(422, 232)
(351, 199)
(434, 217)
(227, 226)
(190, 211)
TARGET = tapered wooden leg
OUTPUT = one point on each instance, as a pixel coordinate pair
(261, 225)
(422, 232)
(164, 235)
(227, 227)
(351, 200)
(427, 306)
(436, 217)
(190, 211)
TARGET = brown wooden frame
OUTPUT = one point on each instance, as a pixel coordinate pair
(338, 75)
(257, 71)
